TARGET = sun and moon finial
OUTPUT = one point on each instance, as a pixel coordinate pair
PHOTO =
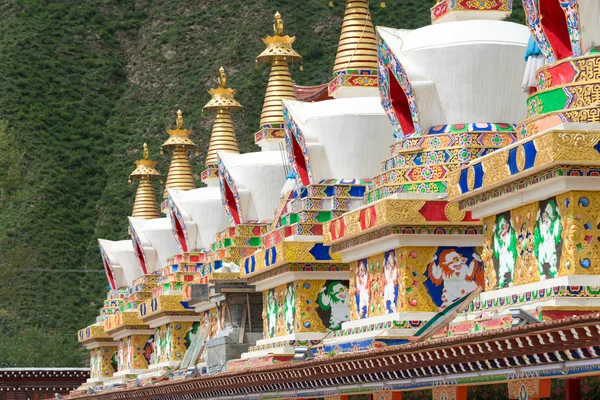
(146, 154)
(179, 119)
(278, 24)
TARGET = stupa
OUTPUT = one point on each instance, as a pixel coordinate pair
(418, 227)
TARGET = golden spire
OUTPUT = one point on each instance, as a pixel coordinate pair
(180, 171)
(145, 204)
(357, 49)
(223, 136)
(279, 53)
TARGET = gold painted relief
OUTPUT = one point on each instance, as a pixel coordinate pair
(307, 319)
(487, 253)
(580, 212)
(523, 220)
(177, 340)
(413, 295)
(376, 286)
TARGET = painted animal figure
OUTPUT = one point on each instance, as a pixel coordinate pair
(335, 297)
(453, 272)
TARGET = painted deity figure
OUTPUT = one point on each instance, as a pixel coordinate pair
(96, 364)
(390, 290)
(505, 251)
(271, 313)
(168, 343)
(160, 345)
(149, 350)
(547, 235)
(289, 308)
(335, 297)
(121, 354)
(362, 289)
(457, 277)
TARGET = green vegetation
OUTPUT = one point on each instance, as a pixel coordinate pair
(83, 83)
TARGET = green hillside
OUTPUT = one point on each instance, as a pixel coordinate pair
(83, 83)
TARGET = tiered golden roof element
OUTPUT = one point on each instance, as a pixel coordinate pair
(279, 53)
(223, 136)
(180, 171)
(357, 49)
(145, 205)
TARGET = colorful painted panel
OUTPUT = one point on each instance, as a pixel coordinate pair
(548, 239)
(170, 341)
(541, 241)
(413, 279)
(102, 362)
(334, 303)
(306, 306)
(452, 274)
(580, 212)
(135, 352)
(279, 310)
(376, 276)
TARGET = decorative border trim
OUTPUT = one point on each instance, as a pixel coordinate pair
(226, 179)
(292, 131)
(387, 61)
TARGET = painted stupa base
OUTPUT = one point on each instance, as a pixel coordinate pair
(140, 291)
(302, 310)
(135, 343)
(115, 300)
(231, 245)
(567, 86)
(375, 332)
(354, 83)
(401, 220)
(464, 10)
(180, 271)
(421, 163)
(103, 362)
(302, 214)
(270, 137)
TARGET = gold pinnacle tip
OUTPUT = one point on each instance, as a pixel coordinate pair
(179, 119)
(278, 25)
(222, 77)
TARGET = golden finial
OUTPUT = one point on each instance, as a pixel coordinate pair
(382, 4)
(278, 25)
(179, 119)
(222, 78)
(330, 4)
(146, 151)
